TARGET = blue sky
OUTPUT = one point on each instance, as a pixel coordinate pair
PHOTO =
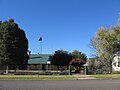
(63, 24)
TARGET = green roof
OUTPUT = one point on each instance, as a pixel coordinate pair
(38, 58)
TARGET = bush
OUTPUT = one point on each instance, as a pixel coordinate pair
(116, 72)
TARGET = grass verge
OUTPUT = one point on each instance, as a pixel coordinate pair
(106, 76)
(56, 77)
(36, 77)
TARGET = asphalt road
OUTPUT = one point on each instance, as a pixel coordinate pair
(60, 85)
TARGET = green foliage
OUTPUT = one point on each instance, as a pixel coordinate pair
(78, 54)
(115, 33)
(13, 45)
(78, 59)
(34, 77)
(60, 58)
(106, 76)
(105, 44)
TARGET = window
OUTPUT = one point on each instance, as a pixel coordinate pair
(114, 63)
(119, 62)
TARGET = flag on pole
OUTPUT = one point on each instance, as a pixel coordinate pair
(40, 39)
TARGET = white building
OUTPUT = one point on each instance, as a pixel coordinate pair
(116, 62)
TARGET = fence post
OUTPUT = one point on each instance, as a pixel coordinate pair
(69, 70)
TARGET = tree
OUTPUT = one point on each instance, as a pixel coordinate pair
(78, 59)
(115, 33)
(0, 23)
(105, 44)
(13, 45)
(78, 54)
(94, 65)
(60, 58)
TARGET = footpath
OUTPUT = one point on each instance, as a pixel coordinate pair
(79, 76)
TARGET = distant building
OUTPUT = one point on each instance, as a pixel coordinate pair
(116, 62)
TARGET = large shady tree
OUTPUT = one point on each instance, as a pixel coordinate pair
(13, 45)
(105, 43)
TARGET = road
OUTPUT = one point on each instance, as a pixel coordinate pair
(60, 85)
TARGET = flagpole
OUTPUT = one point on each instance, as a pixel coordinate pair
(40, 39)
(41, 47)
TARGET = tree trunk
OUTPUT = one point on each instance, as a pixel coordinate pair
(16, 68)
(7, 68)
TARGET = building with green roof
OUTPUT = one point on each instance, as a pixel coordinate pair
(39, 62)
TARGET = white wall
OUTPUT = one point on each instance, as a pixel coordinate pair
(116, 63)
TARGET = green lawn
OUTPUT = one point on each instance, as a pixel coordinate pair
(56, 77)
(36, 77)
(106, 76)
